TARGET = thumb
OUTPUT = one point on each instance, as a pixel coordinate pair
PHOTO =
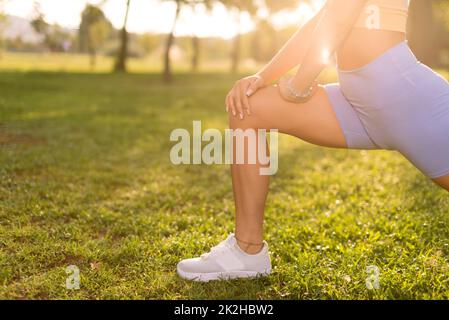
(255, 85)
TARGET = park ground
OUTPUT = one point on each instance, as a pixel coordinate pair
(85, 180)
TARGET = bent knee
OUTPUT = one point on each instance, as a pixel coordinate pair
(260, 104)
(248, 122)
(263, 99)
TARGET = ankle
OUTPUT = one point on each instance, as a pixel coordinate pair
(249, 247)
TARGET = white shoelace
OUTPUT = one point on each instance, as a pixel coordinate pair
(217, 250)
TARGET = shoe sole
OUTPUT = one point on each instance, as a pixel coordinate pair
(222, 276)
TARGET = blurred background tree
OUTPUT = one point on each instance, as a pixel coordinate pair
(3, 22)
(196, 41)
(122, 54)
(428, 30)
(38, 22)
(94, 29)
(179, 5)
(167, 73)
(55, 38)
(441, 18)
(266, 41)
(237, 8)
(428, 34)
(421, 30)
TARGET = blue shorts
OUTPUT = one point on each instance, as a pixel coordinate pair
(396, 103)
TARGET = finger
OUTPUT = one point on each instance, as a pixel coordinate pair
(238, 103)
(232, 105)
(227, 103)
(254, 86)
(245, 100)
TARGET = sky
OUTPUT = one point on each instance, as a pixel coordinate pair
(155, 16)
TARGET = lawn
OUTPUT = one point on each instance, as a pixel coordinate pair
(71, 62)
(85, 180)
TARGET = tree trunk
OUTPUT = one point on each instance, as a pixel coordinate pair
(195, 53)
(421, 31)
(92, 59)
(167, 75)
(235, 55)
(120, 65)
(91, 50)
(235, 52)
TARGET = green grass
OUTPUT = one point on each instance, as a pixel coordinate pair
(69, 62)
(85, 180)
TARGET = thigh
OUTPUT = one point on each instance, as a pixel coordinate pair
(443, 182)
(313, 121)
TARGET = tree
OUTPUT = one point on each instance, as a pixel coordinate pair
(58, 38)
(237, 7)
(179, 4)
(3, 22)
(38, 22)
(441, 15)
(55, 38)
(94, 29)
(196, 41)
(421, 30)
(265, 42)
(122, 55)
(148, 42)
(196, 48)
(167, 73)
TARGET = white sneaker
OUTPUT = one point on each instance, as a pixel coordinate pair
(226, 261)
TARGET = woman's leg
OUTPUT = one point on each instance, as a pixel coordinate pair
(314, 121)
(443, 182)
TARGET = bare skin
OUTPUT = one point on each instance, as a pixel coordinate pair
(270, 111)
(443, 182)
(313, 121)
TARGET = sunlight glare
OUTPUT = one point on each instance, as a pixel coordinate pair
(325, 56)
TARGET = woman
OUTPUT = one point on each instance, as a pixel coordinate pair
(385, 99)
